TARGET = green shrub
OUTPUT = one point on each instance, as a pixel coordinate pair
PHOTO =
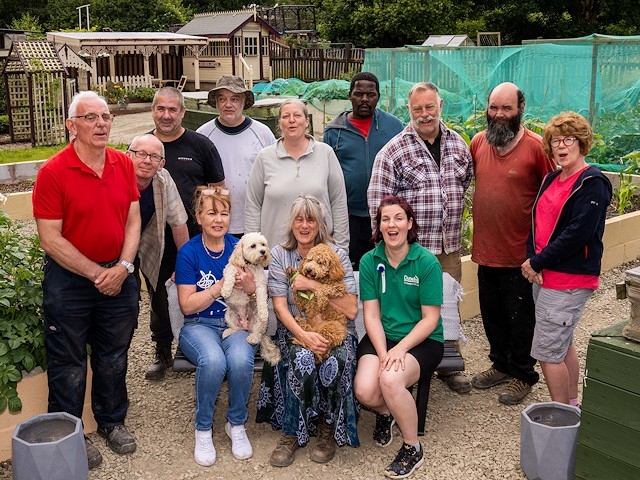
(4, 123)
(144, 94)
(21, 327)
(3, 100)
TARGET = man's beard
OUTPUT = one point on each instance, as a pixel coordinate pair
(499, 134)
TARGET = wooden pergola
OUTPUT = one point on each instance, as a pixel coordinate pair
(35, 84)
(93, 45)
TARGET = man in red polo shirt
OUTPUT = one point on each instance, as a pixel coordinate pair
(85, 202)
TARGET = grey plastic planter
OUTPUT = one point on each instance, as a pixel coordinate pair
(49, 446)
(548, 438)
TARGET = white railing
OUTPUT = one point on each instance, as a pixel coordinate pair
(131, 81)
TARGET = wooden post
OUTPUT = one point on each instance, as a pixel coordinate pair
(291, 62)
(593, 111)
(347, 57)
(321, 64)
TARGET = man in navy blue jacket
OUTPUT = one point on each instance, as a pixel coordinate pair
(356, 136)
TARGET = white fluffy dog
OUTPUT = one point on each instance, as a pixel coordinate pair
(246, 312)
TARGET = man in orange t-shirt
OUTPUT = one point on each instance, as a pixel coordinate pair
(509, 164)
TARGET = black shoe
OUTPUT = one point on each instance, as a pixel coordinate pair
(383, 431)
(159, 366)
(406, 461)
(94, 457)
(118, 439)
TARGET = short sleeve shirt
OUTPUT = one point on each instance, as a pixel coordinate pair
(402, 291)
(93, 208)
(195, 267)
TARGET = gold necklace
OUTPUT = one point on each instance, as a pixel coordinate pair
(209, 252)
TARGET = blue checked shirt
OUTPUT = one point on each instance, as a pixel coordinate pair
(404, 167)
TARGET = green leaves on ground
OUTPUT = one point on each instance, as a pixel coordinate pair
(21, 328)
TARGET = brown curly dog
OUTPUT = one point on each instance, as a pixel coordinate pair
(322, 263)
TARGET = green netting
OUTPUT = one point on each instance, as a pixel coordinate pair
(590, 75)
(597, 76)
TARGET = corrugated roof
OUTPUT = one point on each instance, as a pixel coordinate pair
(123, 38)
(448, 41)
(218, 23)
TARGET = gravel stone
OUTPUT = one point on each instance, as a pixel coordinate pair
(468, 436)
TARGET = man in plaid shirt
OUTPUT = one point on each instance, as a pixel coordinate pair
(430, 166)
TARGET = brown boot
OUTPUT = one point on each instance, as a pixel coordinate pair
(284, 453)
(325, 448)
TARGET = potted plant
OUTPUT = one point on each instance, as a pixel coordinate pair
(21, 328)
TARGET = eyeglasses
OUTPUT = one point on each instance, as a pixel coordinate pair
(154, 157)
(93, 117)
(215, 190)
(568, 141)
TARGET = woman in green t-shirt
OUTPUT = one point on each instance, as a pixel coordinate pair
(401, 292)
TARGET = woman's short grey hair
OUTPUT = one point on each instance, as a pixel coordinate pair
(309, 207)
(81, 97)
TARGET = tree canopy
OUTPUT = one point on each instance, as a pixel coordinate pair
(365, 23)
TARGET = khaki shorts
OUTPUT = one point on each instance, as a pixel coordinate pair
(557, 314)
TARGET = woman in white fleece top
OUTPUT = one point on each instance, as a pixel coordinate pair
(296, 164)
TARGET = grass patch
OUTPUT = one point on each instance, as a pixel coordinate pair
(30, 154)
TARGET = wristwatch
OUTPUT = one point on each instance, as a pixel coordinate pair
(129, 266)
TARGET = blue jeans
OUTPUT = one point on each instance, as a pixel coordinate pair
(202, 343)
(76, 313)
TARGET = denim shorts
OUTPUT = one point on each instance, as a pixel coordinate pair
(557, 314)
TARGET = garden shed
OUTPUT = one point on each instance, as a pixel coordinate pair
(238, 45)
(35, 83)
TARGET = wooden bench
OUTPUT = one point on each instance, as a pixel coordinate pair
(452, 361)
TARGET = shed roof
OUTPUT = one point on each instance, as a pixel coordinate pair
(78, 40)
(222, 24)
(33, 56)
(448, 41)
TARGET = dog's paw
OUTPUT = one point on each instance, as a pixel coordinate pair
(254, 338)
(228, 332)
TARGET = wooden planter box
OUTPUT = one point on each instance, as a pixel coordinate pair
(610, 429)
(34, 393)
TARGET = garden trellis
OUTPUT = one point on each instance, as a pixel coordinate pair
(35, 85)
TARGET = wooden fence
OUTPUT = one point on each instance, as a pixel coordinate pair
(314, 64)
(129, 81)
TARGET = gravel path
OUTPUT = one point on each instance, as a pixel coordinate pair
(468, 436)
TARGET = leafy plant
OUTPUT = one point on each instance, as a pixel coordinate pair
(467, 220)
(21, 329)
(144, 94)
(624, 196)
(114, 93)
(4, 123)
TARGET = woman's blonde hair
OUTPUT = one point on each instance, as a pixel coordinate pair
(568, 124)
(221, 194)
(309, 207)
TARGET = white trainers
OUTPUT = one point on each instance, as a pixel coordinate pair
(240, 446)
(205, 452)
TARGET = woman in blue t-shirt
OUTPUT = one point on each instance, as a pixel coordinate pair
(401, 293)
(199, 267)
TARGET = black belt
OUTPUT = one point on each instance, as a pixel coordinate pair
(110, 264)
